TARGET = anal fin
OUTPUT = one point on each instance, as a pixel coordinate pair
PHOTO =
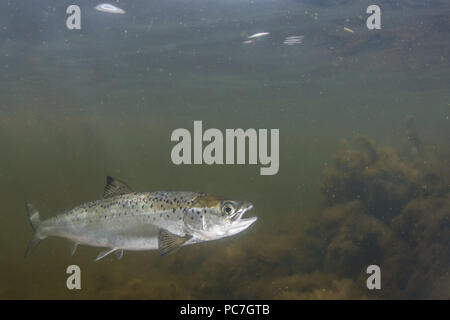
(119, 254)
(169, 242)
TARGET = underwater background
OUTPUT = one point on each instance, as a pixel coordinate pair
(364, 143)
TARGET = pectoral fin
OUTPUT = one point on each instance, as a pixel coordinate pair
(104, 253)
(169, 242)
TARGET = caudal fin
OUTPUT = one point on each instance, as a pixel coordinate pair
(35, 221)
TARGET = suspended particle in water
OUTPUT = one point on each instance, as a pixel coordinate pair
(258, 35)
(293, 40)
(109, 8)
(254, 37)
(349, 30)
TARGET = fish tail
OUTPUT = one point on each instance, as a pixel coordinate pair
(35, 221)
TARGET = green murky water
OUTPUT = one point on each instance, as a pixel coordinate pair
(77, 105)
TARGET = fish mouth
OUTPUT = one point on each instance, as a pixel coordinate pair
(237, 218)
(231, 225)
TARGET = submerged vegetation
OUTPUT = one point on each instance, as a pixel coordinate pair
(390, 208)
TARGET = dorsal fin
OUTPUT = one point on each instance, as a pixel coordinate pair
(115, 187)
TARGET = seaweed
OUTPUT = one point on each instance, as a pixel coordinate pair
(391, 209)
(378, 177)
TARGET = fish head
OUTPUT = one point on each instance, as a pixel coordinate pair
(219, 218)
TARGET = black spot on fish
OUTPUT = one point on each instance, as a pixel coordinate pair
(173, 210)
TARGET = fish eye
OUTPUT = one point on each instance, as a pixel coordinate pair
(228, 208)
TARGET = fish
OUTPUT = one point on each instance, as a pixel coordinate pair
(127, 220)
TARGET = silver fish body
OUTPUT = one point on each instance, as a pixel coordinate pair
(126, 220)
